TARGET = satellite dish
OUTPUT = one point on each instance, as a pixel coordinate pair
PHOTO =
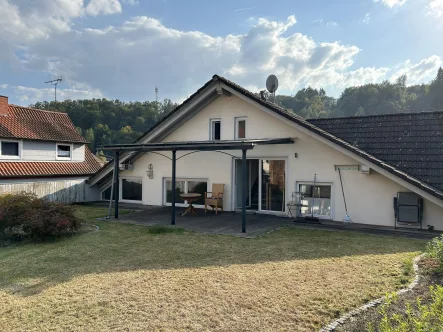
(272, 83)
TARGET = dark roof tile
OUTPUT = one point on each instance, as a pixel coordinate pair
(412, 142)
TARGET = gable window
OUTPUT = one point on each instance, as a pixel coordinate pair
(215, 129)
(10, 150)
(240, 128)
(64, 151)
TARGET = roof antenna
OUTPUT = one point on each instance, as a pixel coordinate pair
(156, 94)
(272, 85)
(55, 83)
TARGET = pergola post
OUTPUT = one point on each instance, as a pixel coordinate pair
(117, 181)
(174, 161)
(243, 205)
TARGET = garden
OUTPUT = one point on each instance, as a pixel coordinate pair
(61, 269)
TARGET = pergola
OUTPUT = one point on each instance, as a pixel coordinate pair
(216, 146)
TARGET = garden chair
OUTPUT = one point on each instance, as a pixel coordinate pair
(214, 198)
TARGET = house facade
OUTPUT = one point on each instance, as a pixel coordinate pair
(224, 111)
(41, 152)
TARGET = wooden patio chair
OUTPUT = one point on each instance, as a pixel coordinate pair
(214, 198)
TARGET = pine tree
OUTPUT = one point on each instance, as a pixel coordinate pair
(436, 91)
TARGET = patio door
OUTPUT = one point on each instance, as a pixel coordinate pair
(252, 184)
(266, 184)
(273, 185)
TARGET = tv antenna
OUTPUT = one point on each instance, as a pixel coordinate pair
(156, 94)
(55, 83)
(272, 85)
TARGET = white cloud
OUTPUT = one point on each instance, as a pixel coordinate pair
(435, 8)
(31, 95)
(126, 61)
(421, 72)
(324, 22)
(366, 19)
(106, 7)
(392, 3)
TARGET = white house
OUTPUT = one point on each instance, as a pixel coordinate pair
(42, 152)
(378, 157)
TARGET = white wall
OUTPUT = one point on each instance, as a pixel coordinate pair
(46, 151)
(369, 197)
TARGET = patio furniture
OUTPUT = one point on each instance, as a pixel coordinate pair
(190, 197)
(295, 205)
(214, 198)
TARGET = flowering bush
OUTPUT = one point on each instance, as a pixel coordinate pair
(25, 215)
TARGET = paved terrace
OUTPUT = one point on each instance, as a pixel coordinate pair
(229, 223)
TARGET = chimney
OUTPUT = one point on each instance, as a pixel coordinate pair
(3, 106)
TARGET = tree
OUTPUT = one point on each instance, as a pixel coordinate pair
(436, 91)
(90, 137)
(360, 111)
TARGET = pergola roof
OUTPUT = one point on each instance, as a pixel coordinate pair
(198, 145)
(242, 145)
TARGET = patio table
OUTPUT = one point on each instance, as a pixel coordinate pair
(190, 197)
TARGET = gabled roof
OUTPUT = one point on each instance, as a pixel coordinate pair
(34, 124)
(18, 122)
(410, 142)
(320, 129)
(32, 169)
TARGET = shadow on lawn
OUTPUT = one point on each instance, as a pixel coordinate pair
(27, 269)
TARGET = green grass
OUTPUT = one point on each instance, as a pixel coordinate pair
(124, 277)
(94, 212)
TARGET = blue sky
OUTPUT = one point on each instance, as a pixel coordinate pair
(122, 49)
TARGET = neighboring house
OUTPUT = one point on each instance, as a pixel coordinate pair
(383, 155)
(42, 152)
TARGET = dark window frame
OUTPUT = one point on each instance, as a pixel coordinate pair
(10, 156)
(133, 179)
(58, 157)
(213, 130)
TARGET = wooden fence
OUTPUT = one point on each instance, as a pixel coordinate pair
(63, 191)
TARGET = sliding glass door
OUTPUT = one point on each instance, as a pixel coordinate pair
(265, 181)
(273, 179)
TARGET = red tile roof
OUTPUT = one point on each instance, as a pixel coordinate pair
(29, 123)
(33, 124)
(20, 169)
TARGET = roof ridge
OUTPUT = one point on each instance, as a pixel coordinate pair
(37, 109)
(376, 115)
(218, 77)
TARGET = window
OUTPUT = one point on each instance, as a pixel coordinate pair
(215, 130)
(240, 128)
(321, 197)
(182, 186)
(106, 194)
(64, 151)
(131, 189)
(10, 150)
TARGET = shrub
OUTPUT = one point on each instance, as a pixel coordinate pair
(434, 250)
(12, 210)
(25, 215)
(422, 318)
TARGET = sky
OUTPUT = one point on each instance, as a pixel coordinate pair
(123, 49)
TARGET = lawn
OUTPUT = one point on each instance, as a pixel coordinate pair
(122, 277)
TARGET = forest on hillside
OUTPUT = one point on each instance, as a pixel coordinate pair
(103, 121)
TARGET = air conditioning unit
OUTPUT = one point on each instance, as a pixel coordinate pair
(365, 169)
(126, 167)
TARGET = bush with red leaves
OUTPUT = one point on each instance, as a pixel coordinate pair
(25, 215)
